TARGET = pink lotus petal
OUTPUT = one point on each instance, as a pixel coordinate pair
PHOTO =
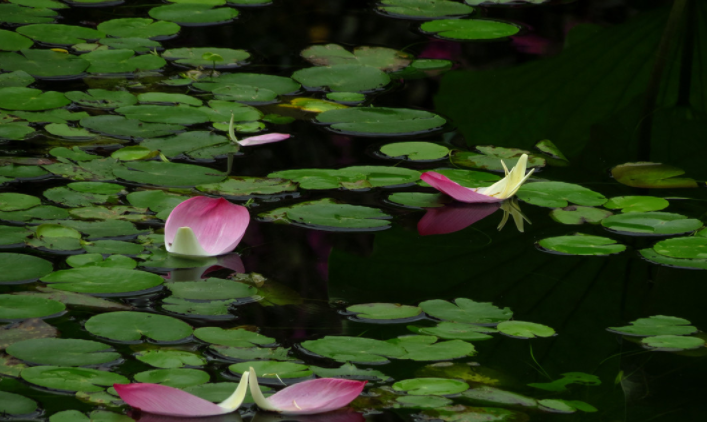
(164, 400)
(264, 139)
(454, 217)
(218, 224)
(455, 190)
(316, 396)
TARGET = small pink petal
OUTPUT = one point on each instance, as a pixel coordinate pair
(218, 224)
(264, 139)
(316, 396)
(455, 190)
(454, 217)
(164, 400)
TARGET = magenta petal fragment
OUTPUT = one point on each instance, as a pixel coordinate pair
(454, 217)
(218, 224)
(264, 139)
(455, 190)
(164, 400)
(316, 396)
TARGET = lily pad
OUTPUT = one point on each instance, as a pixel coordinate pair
(12, 41)
(380, 121)
(492, 157)
(467, 178)
(183, 115)
(576, 214)
(636, 203)
(65, 131)
(122, 61)
(422, 402)
(97, 260)
(72, 379)
(356, 177)
(651, 175)
(175, 377)
(102, 280)
(133, 326)
(568, 378)
(12, 171)
(11, 236)
(683, 247)
(351, 98)
(202, 309)
(354, 349)
(168, 174)
(16, 14)
(76, 299)
(426, 348)
(138, 45)
(43, 64)
(63, 352)
(112, 247)
(419, 199)
(168, 98)
(190, 143)
(343, 78)
(211, 289)
(194, 57)
(466, 311)
(15, 405)
(485, 395)
(168, 359)
(383, 58)
(247, 186)
(71, 198)
(559, 194)
(325, 214)
(17, 201)
(252, 353)
(470, 29)
(58, 34)
(231, 337)
(138, 28)
(431, 386)
(25, 330)
(23, 307)
(456, 331)
(350, 371)
(156, 200)
(384, 312)
(659, 325)
(582, 244)
(122, 127)
(15, 131)
(424, 9)
(193, 14)
(20, 268)
(522, 329)
(102, 229)
(272, 369)
(415, 151)
(18, 98)
(672, 343)
(651, 223)
(101, 98)
(248, 87)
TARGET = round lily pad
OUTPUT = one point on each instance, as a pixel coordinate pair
(11, 235)
(194, 14)
(19, 268)
(44, 64)
(30, 99)
(672, 343)
(343, 77)
(582, 245)
(138, 28)
(651, 175)
(415, 151)
(356, 177)
(101, 98)
(683, 247)
(657, 325)
(383, 58)
(183, 115)
(22, 307)
(350, 371)
(652, 256)
(380, 121)
(419, 199)
(168, 174)
(15, 405)
(211, 289)
(328, 215)
(422, 402)
(12, 41)
(72, 379)
(558, 194)
(636, 203)
(424, 9)
(651, 223)
(272, 369)
(470, 29)
(346, 97)
(431, 386)
(132, 326)
(522, 329)
(231, 337)
(97, 260)
(204, 57)
(577, 214)
(122, 127)
(121, 61)
(426, 348)
(247, 186)
(113, 247)
(170, 358)
(138, 45)
(489, 396)
(456, 331)
(62, 352)
(101, 280)
(58, 34)
(384, 312)
(466, 310)
(193, 143)
(354, 349)
(176, 377)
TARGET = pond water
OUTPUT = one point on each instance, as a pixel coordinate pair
(580, 298)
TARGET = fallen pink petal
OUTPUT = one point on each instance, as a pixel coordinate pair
(168, 401)
(264, 139)
(455, 190)
(454, 217)
(203, 226)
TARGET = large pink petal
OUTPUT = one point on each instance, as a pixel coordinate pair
(218, 224)
(454, 189)
(164, 400)
(316, 396)
(264, 139)
(454, 217)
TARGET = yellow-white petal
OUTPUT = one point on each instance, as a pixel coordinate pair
(258, 396)
(236, 399)
(186, 243)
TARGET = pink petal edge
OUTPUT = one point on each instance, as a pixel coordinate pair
(218, 224)
(264, 139)
(316, 396)
(455, 190)
(454, 217)
(164, 400)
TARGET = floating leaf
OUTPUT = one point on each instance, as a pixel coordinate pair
(213, 308)
(16, 14)
(424, 9)
(189, 143)
(484, 395)
(672, 343)
(575, 214)
(132, 326)
(138, 45)
(101, 98)
(17, 98)
(466, 178)
(12, 41)
(139, 28)
(581, 244)
(23, 307)
(421, 348)
(349, 371)
(466, 311)
(176, 377)
(18, 78)
(58, 34)
(558, 194)
(252, 353)
(20, 268)
(384, 311)
(231, 337)
(247, 186)
(102, 280)
(211, 289)
(568, 378)
(194, 57)
(168, 174)
(491, 158)
(354, 349)
(522, 329)
(183, 115)
(419, 199)
(385, 59)
(456, 331)
(351, 98)
(651, 175)
(470, 29)
(380, 121)
(97, 260)
(43, 64)
(431, 386)
(10, 235)
(636, 203)
(15, 131)
(72, 379)
(193, 14)
(248, 87)
(63, 352)
(422, 402)
(658, 325)
(15, 405)
(122, 127)
(343, 77)
(683, 247)
(655, 223)
(272, 369)
(415, 151)
(325, 214)
(122, 61)
(356, 177)
(76, 299)
(170, 358)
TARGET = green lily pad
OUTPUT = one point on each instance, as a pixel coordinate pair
(43, 64)
(122, 61)
(213, 308)
(97, 260)
(102, 229)
(380, 121)
(189, 143)
(211, 289)
(134, 152)
(122, 127)
(161, 259)
(58, 34)
(16, 405)
(15, 131)
(576, 214)
(11, 235)
(20, 268)
(655, 223)
(484, 395)
(431, 386)
(102, 280)
(18, 78)
(383, 58)
(16, 14)
(12, 171)
(98, 169)
(559, 194)
(63, 352)
(456, 331)
(175, 377)
(194, 57)
(522, 329)
(221, 111)
(17, 98)
(12, 41)
(651, 175)
(101, 98)
(492, 157)
(57, 115)
(582, 244)
(138, 28)
(23, 307)
(168, 359)
(231, 337)
(388, 312)
(568, 378)
(168, 98)
(470, 29)
(193, 14)
(636, 203)
(672, 343)
(325, 214)
(71, 198)
(42, 212)
(424, 9)
(25, 330)
(65, 131)
(419, 199)
(183, 115)
(248, 87)
(423, 348)
(168, 174)
(17, 201)
(415, 151)
(658, 325)
(422, 402)
(74, 154)
(247, 186)
(112, 247)
(683, 247)
(252, 353)
(76, 299)
(354, 349)
(272, 369)
(138, 45)
(133, 326)
(350, 371)
(356, 177)
(351, 98)
(653, 256)
(343, 78)
(156, 200)
(466, 311)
